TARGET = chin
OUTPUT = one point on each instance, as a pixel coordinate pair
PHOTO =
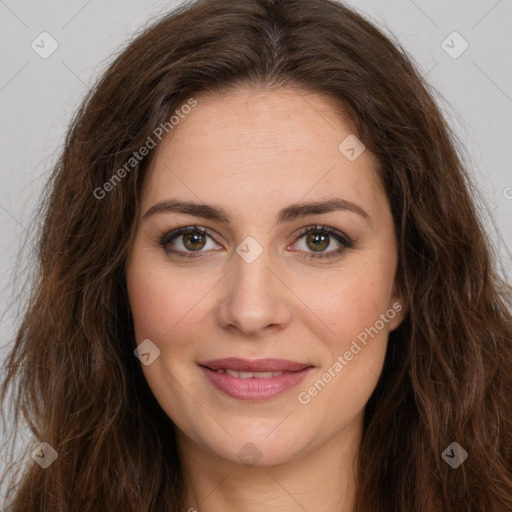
(252, 449)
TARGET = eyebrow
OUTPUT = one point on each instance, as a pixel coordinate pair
(288, 214)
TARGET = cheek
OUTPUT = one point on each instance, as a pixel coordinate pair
(358, 312)
(158, 300)
(353, 301)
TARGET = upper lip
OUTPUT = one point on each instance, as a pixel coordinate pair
(257, 365)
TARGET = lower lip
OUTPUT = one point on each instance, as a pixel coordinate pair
(255, 388)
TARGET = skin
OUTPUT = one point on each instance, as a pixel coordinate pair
(254, 153)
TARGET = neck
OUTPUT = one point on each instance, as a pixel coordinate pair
(320, 479)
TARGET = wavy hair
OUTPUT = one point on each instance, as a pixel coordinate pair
(447, 375)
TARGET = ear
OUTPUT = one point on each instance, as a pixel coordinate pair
(397, 306)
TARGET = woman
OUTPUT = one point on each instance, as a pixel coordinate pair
(263, 283)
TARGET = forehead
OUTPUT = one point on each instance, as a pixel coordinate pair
(282, 120)
(260, 147)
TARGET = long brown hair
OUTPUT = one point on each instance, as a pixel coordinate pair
(448, 370)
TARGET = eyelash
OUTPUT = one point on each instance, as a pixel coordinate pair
(344, 240)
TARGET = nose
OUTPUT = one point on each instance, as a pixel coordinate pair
(253, 298)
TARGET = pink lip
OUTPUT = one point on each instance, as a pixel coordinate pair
(257, 365)
(254, 388)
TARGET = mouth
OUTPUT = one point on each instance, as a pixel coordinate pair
(269, 365)
(256, 380)
(247, 375)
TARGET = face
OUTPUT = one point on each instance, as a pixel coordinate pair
(258, 276)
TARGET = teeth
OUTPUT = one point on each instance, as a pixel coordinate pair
(248, 375)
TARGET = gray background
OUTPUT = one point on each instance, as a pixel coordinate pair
(38, 96)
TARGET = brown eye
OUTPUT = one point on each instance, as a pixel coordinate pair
(319, 238)
(317, 241)
(194, 241)
(185, 240)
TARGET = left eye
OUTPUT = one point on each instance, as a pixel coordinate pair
(320, 237)
(194, 239)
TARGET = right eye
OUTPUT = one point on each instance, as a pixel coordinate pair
(190, 238)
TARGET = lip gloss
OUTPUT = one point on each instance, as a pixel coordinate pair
(255, 388)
